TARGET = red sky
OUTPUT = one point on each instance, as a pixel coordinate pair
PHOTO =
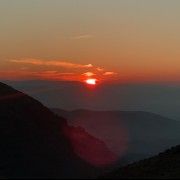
(124, 41)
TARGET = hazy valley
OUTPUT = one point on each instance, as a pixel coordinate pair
(35, 142)
(162, 99)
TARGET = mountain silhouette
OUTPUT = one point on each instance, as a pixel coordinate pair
(163, 99)
(133, 135)
(36, 143)
(90, 148)
(163, 166)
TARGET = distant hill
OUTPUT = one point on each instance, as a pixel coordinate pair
(162, 99)
(133, 135)
(90, 148)
(163, 166)
(36, 143)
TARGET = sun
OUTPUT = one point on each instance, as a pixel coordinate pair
(91, 81)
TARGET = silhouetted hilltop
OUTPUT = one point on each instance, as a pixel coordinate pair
(141, 134)
(34, 141)
(164, 166)
(162, 99)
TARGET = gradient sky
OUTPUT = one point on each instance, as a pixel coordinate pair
(124, 40)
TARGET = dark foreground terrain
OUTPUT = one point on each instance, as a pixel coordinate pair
(35, 143)
(166, 165)
(133, 135)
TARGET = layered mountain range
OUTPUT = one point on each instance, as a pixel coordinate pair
(36, 143)
(163, 99)
(132, 135)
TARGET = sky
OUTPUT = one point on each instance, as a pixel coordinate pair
(110, 40)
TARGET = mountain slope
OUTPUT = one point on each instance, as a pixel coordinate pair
(33, 141)
(162, 99)
(164, 166)
(90, 148)
(135, 134)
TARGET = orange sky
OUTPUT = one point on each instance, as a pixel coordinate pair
(125, 41)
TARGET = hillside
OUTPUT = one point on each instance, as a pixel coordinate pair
(35, 143)
(133, 135)
(163, 99)
(163, 166)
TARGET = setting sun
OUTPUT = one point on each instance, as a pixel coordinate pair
(91, 81)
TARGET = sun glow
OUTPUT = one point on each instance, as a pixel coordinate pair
(91, 81)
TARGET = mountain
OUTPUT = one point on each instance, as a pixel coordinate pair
(36, 143)
(163, 166)
(133, 135)
(90, 148)
(161, 99)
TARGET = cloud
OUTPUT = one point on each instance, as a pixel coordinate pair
(28, 61)
(99, 69)
(87, 36)
(89, 65)
(46, 75)
(67, 64)
(57, 70)
(59, 76)
(88, 74)
(51, 63)
(55, 75)
(109, 73)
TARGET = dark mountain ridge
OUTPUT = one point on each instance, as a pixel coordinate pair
(141, 134)
(33, 141)
(163, 166)
(162, 99)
